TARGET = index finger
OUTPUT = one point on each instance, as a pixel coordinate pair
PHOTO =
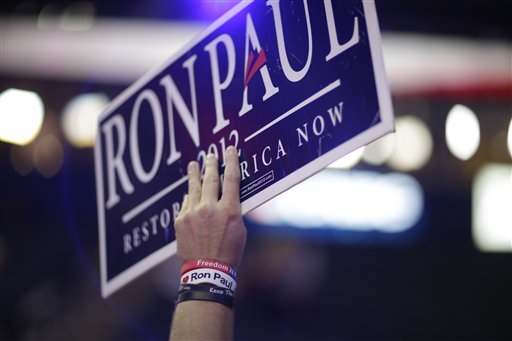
(231, 185)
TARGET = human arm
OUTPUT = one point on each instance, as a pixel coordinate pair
(209, 228)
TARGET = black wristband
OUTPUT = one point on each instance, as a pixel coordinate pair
(207, 288)
(206, 296)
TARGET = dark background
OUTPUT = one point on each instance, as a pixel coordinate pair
(431, 284)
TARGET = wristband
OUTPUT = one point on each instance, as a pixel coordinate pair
(206, 296)
(206, 288)
(208, 264)
(215, 277)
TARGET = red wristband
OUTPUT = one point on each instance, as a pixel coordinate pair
(208, 264)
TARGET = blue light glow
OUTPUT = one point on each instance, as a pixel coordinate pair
(353, 201)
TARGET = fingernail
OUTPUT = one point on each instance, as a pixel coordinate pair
(191, 166)
(231, 150)
(210, 156)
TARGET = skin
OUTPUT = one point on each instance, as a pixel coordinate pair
(209, 228)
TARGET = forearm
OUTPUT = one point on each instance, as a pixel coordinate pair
(210, 235)
(202, 320)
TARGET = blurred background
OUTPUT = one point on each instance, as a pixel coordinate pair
(409, 238)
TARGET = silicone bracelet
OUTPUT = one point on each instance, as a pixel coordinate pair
(206, 288)
(215, 277)
(208, 264)
(206, 296)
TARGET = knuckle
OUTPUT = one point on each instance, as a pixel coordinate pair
(182, 222)
(194, 190)
(186, 222)
(211, 178)
(230, 213)
(206, 210)
(232, 177)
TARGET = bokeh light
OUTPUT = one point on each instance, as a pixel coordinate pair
(378, 152)
(78, 16)
(355, 200)
(212, 9)
(46, 20)
(413, 144)
(462, 132)
(48, 155)
(349, 160)
(492, 216)
(80, 118)
(21, 116)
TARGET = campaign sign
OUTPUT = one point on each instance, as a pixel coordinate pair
(293, 85)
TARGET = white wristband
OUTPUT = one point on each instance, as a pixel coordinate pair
(211, 276)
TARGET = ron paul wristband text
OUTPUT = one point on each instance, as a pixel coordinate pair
(208, 264)
(207, 280)
(210, 276)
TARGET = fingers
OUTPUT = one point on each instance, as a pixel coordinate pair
(231, 186)
(210, 192)
(194, 184)
(184, 206)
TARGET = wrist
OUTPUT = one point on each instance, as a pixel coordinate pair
(208, 280)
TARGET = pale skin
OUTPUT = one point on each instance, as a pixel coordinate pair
(209, 228)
